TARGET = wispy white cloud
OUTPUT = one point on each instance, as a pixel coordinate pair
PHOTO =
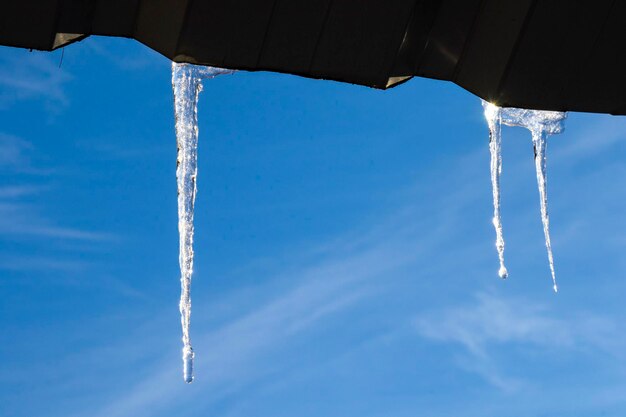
(493, 323)
(23, 220)
(492, 320)
(19, 156)
(33, 75)
(10, 192)
(18, 218)
(590, 139)
(14, 152)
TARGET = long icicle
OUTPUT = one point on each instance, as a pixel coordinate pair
(187, 85)
(540, 143)
(187, 88)
(492, 114)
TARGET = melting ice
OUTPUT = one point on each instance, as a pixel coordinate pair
(541, 124)
(187, 85)
(492, 114)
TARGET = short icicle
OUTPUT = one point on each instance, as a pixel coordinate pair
(492, 114)
(187, 85)
(541, 124)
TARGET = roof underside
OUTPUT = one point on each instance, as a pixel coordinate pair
(550, 54)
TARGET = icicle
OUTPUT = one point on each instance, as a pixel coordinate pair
(540, 143)
(187, 85)
(492, 114)
(540, 124)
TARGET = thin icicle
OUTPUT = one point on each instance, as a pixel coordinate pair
(187, 85)
(540, 144)
(540, 124)
(492, 114)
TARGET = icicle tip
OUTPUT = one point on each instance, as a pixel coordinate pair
(188, 364)
(503, 273)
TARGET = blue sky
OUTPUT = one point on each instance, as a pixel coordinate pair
(345, 259)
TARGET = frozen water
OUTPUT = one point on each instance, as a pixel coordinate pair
(188, 364)
(541, 124)
(493, 116)
(550, 122)
(540, 143)
(187, 85)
